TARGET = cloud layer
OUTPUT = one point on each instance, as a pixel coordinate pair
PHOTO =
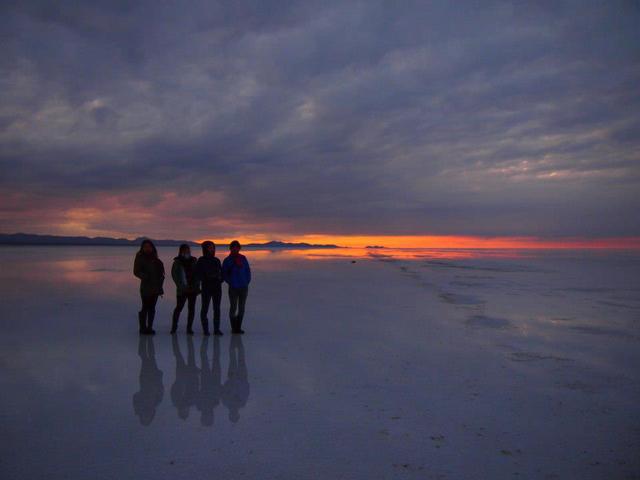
(194, 119)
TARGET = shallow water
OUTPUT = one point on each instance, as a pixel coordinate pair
(406, 363)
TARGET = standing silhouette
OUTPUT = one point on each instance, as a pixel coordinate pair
(150, 270)
(235, 391)
(185, 386)
(237, 273)
(210, 382)
(184, 275)
(147, 399)
(209, 275)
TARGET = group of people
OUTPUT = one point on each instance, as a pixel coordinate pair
(203, 276)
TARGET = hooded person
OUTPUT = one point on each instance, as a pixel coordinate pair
(184, 276)
(209, 276)
(150, 270)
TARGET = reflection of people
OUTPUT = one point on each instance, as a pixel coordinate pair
(185, 387)
(209, 274)
(235, 391)
(183, 274)
(147, 399)
(237, 273)
(210, 382)
(150, 270)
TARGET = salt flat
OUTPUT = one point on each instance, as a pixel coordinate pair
(404, 364)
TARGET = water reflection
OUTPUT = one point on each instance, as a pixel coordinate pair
(149, 396)
(235, 391)
(200, 386)
(210, 381)
(185, 387)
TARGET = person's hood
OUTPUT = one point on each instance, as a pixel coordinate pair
(204, 246)
(153, 246)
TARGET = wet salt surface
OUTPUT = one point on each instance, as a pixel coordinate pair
(420, 365)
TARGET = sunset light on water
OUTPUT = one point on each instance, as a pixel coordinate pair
(451, 242)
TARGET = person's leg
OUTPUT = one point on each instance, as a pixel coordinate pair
(151, 313)
(204, 308)
(242, 300)
(191, 312)
(217, 297)
(180, 301)
(233, 305)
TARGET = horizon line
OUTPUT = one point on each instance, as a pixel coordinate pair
(403, 241)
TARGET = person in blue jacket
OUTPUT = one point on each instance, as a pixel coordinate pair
(237, 273)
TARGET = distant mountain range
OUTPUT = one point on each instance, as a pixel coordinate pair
(34, 239)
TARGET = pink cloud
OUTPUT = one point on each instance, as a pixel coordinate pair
(129, 214)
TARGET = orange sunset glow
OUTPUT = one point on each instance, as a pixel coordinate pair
(458, 242)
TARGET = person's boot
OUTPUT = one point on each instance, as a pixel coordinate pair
(235, 325)
(190, 326)
(205, 327)
(239, 329)
(216, 327)
(141, 322)
(150, 318)
(174, 324)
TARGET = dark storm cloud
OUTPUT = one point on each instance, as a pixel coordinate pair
(334, 117)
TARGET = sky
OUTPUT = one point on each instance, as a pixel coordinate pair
(324, 120)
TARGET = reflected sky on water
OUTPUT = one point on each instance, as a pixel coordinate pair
(491, 350)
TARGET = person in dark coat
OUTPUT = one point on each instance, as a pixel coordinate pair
(209, 275)
(237, 273)
(150, 270)
(147, 399)
(183, 273)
